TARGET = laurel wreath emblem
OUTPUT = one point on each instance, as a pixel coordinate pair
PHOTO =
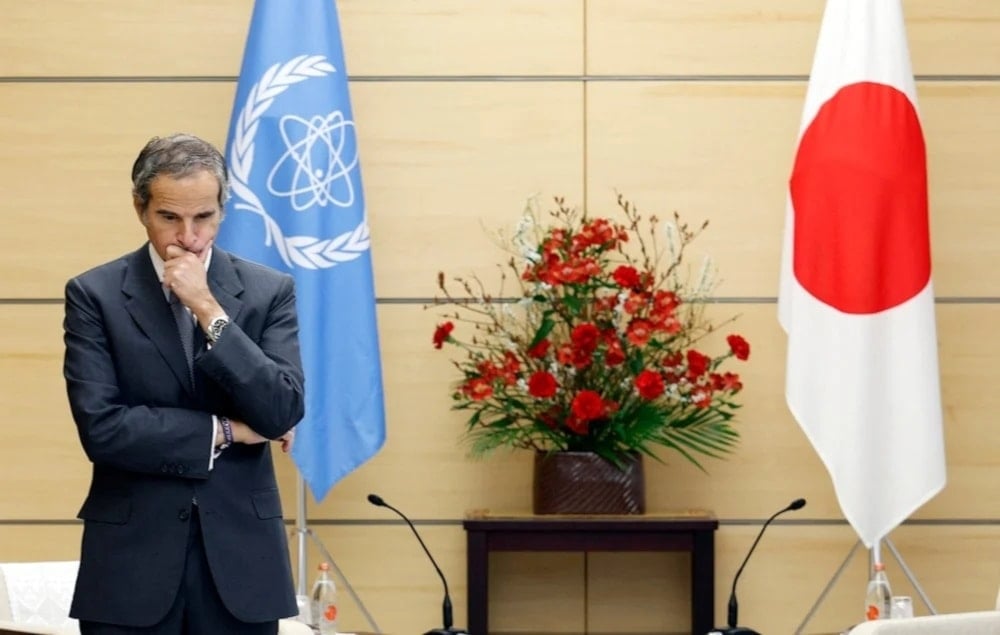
(308, 252)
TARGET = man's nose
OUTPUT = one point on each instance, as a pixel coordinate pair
(187, 235)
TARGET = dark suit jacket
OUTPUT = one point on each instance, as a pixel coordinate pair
(148, 432)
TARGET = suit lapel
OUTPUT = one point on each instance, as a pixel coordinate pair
(225, 284)
(147, 305)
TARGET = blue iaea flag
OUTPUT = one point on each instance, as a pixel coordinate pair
(297, 205)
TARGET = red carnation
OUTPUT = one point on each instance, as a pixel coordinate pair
(478, 389)
(697, 363)
(542, 384)
(739, 346)
(577, 425)
(626, 277)
(639, 332)
(614, 356)
(539, 350)
(585, 337)
(649, 384)
(588, 405)
(442, 333)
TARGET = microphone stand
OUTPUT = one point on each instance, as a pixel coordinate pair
(446, 608)
(734, 607)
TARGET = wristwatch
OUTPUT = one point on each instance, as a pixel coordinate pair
(215, 328)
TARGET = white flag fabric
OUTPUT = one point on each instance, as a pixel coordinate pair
(856, 298)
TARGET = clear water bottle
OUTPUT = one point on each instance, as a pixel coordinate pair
(878, 599)
(323, 609)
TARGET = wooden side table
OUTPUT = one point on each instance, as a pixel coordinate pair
(693, 532)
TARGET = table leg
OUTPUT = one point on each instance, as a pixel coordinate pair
(703, 583)
(477, 581)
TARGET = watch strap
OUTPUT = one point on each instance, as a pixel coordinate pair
(227, 432)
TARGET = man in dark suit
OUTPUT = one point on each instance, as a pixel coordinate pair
(182, 361)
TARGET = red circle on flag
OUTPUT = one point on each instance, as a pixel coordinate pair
(859, 195)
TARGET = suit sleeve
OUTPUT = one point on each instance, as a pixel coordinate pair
(137, 438)
(264, 379)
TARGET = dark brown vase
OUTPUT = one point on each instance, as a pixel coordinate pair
(585, 483)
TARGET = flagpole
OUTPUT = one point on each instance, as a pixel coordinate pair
(303, 532)
(300, 530)
(909, 576)
(874, 555)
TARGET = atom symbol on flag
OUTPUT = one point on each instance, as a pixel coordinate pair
(313, 170)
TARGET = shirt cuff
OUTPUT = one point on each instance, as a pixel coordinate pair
(213, 453)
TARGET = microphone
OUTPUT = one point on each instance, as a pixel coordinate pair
(448, 629)
(734, 607)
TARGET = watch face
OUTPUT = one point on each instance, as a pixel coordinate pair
(216, 327)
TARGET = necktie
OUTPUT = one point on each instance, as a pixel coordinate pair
(185, 326)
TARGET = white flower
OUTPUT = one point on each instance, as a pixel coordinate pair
(706, 278)
(673, 239)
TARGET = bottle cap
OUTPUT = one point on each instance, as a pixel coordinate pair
(324, 566)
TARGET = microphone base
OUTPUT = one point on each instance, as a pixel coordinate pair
(734, 630)
(447, 631)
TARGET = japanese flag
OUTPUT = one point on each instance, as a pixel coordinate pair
(856, 298)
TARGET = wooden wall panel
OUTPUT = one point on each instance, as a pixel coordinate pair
(67, 156)
(716, 151)
(43, 472)
(437, 172)
(445, 163)
(430, 37)
(454, 137)
(463, 37)
(391, 573)
(425, 437)
(724, 151)
(115, 38)
(730, 37)
(33, 542)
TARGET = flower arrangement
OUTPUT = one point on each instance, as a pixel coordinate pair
(601, 346)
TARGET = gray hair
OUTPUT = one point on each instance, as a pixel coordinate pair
(177, 156)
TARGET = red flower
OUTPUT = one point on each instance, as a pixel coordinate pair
(665, 301)
(585, 337)
(542, 384)
(626, 277)
(588, 405)
(649, 384)
(639, 332)
(564, 355)
(666, 322)
(697, 364)
(577, 425)
(726, 381)
(510, 368)
(739, 346)
(702, 397)
(478, 389)
(442, 333)
(636, 302)
(614, 356)
(673, 360)
(539, 350)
